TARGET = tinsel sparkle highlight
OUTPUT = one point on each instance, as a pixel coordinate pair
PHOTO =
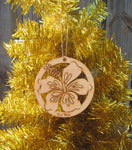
(105, 123)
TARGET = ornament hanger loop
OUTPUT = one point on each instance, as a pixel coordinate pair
(61, 26)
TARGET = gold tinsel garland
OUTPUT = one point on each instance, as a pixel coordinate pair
(104, 125)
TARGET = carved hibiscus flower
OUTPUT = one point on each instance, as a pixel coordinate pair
(65, 90)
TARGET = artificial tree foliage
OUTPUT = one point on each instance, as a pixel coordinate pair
(104, 125)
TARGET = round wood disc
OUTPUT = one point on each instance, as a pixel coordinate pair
(60, 90)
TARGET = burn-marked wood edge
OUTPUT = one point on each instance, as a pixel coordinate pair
(65, 90)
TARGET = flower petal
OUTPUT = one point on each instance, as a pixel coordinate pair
(71, 72)
(48, 84)
(52, 100)
(80, 86)
(70, 102)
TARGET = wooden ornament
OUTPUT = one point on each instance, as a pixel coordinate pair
(62, 89)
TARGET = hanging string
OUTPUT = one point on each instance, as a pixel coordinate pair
(66, 52)
(61, 26)
(62, 52)
(62, 41)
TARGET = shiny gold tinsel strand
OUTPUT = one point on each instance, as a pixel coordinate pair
(105, 123)
(27, 138)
